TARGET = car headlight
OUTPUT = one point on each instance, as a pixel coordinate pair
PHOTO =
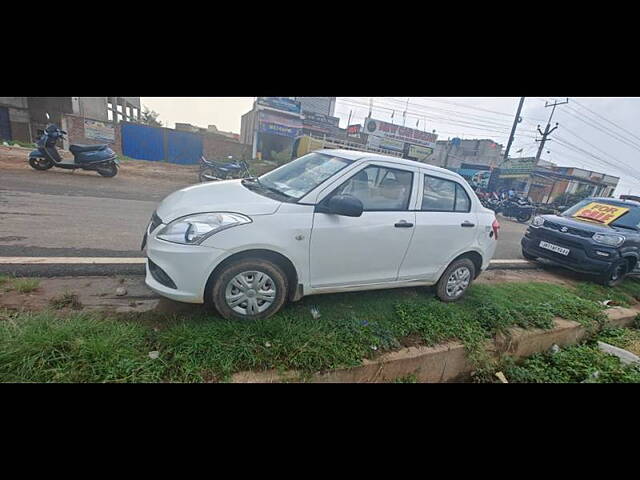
(610, 239)
(194, 229)
(538, 222)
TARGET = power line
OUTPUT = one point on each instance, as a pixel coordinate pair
(607, 120)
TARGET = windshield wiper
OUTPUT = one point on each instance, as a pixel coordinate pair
(256, 181)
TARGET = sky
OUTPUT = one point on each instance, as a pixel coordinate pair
(595, 133)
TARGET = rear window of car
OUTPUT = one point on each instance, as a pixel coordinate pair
(630, 219)
(440, 195)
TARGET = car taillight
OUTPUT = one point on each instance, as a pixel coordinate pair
(496, 228)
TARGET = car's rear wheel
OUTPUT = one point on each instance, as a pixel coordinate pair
(616, 274)
(455, 280)
(249, 289)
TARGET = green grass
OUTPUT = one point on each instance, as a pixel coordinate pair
(25, 285)
(4, 279)
(577, 364)
(624, 295)
(77, 348)
(201, 347)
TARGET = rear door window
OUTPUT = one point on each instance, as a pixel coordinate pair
(440, 195)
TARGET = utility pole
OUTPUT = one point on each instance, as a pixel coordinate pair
(404, 114)
(547, 130)
(516, 120)
(545, 135)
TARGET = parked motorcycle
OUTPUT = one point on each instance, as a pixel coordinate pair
(521, 210)
(99, 158)
(212, 171)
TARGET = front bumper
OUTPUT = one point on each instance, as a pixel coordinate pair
(188, 267)
(578, 260)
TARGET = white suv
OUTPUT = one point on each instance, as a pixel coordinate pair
(330, 221)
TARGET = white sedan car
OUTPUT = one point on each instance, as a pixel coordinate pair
(330, 221)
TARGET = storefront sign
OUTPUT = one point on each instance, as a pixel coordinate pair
(410, 135)
(600, 212)
(270, 122)
(280, 103)
(99, 131)
(282, 130)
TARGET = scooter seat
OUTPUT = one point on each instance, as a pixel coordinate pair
(87, 148)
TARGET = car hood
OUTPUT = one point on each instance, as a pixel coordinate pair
(223, 196)
(585, 225)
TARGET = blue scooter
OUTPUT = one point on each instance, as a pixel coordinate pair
(99, 158)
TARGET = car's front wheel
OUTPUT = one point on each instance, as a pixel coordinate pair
(456, 280)
(616, 274)
(249, 289)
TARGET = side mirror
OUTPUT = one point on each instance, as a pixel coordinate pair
(345, 205)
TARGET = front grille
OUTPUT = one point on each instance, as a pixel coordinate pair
(156, 221)
(570, 230)
(160, 275)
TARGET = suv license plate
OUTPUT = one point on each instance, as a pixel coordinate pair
(554, 248)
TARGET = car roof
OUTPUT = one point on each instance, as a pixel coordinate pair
(616, 201)
(357, 155)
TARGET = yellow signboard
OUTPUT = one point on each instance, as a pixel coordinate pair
(600, 212)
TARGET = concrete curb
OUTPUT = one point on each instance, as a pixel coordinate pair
(448, 361)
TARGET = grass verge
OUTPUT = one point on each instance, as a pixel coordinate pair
(87, 348)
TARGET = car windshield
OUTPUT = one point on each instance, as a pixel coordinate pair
(299, 177)
(629, 219)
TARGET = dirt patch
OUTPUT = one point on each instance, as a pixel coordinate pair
(546, 276)
(87, 293)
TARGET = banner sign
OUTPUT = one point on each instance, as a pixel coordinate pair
(320, 118)
(418, 153)
(600, 212)
(388, 130)
(386, 143)
(280, 103)
(99, 131)
(320, 122)
(354, 130)
(517, 167)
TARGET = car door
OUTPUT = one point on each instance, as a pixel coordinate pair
(370, 248)
(446, 226)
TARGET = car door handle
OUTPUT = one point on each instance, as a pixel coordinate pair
(403, 224)
(467, 224)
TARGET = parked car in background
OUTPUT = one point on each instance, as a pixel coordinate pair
(330, 221)
(600, 236)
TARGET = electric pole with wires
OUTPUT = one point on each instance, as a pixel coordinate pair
(548, 129)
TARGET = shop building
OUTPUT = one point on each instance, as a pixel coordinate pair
(271, 126)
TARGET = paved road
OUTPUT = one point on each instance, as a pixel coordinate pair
(59, 213)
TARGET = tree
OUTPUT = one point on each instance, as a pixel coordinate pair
(150, 117)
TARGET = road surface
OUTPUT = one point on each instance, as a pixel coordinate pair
(67, 214)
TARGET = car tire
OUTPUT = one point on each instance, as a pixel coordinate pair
(249, 289)
(528, 256)
(616, 274)
(455, 280)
